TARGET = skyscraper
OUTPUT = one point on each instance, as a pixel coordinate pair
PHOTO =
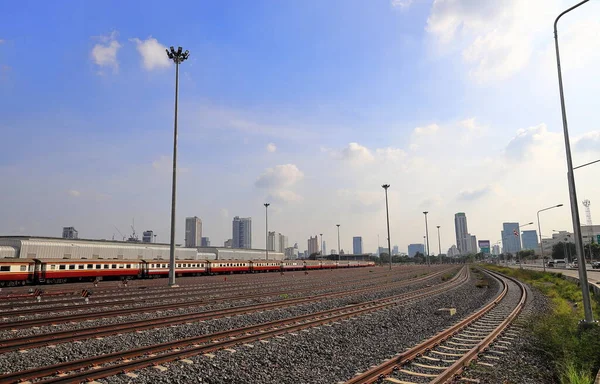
(462, 233)
(511, 238)
(395, 250)
(147, 236)
(357, 245)
(313, 245)
(205, 242)
(277, 242)
(530, 240)
(413, 249)
(193, 232)
(242, 232)
(70, 233)
(473, 244)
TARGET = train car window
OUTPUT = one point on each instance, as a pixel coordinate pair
(5, 268)
(71, 266)
(128, 265)
(52, 266)
(121, 266)
(90, 266)
(98, 266)
(105, 266)
(62, 266)
(114, 266)
(23, 268)
(81, 266)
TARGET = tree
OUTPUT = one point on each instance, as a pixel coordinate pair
(562, 250)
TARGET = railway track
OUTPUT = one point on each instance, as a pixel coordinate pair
(34, 341)
(71, 317)
(443, 357)
(80, 304)
(119, 362)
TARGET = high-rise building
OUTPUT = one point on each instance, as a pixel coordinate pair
(453, 251)
(495, 250)
(313, 245)
(530, 240)
(228, 243)
(462, 232)
(277, 242)
(357, 245)
(395, 250)
(205, 242)
(382, 250)
(147, 236)
(413, 249)
(70, 233)
(511, 238)
(324, 246)
(473, 244)
(193, 232)
(242, 232)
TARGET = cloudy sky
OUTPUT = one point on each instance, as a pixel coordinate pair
(309, 105)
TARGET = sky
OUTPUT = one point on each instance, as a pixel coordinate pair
(308, 105)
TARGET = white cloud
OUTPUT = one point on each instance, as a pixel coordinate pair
(284, 196)
(280, 176)
(354, 153)
(271, 147)
(402, 4)
(104, 54)
(74, 193)
(474, 194)
(589, 142)
(152, 52)
(520, 146)
(427, 130)
(496, 38)
(390, 154)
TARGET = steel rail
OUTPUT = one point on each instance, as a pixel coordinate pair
(147, 356)
(29, 342)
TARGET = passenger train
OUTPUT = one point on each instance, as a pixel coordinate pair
(15, 272)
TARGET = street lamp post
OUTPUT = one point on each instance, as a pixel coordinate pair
(339, 256)
(322, 250)
(178, 57)
(387, 213)
(585, 289)
(427, 236)
(267, 229)
(540, 230)
(439, 243)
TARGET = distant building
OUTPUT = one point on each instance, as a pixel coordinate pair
(473, 244)
(292, 253)
(228, 243)
(313, 245)
(462, 232)
(277, 242)
(530, 240)
(324, 247)
(147, 236)
(413, 249)
(193, 232)
(495, 250)
(70, 233)
(205, 241)
(357, 245)
(453, 251)
(395, 250)
(242, 232)
(382, 250)
(511, 238)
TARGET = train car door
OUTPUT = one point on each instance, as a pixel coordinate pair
(39, 274)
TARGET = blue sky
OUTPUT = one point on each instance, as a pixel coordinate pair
(311, 105)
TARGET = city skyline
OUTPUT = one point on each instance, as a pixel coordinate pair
(421, 101)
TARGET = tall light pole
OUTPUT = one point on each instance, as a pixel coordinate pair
(540, 230)
(427, 236)
(583, 281)
(387, 213)
(178, 57)
(439, 243)
(322, 250)
(339, 256)
(267, 228)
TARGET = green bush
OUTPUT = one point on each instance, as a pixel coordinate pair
(575, 350)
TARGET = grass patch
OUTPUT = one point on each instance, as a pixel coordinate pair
(575, 351)
(447, 276)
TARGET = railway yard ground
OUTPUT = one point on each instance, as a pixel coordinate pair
(411, 324)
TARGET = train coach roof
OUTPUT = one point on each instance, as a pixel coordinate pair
(14, 260)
